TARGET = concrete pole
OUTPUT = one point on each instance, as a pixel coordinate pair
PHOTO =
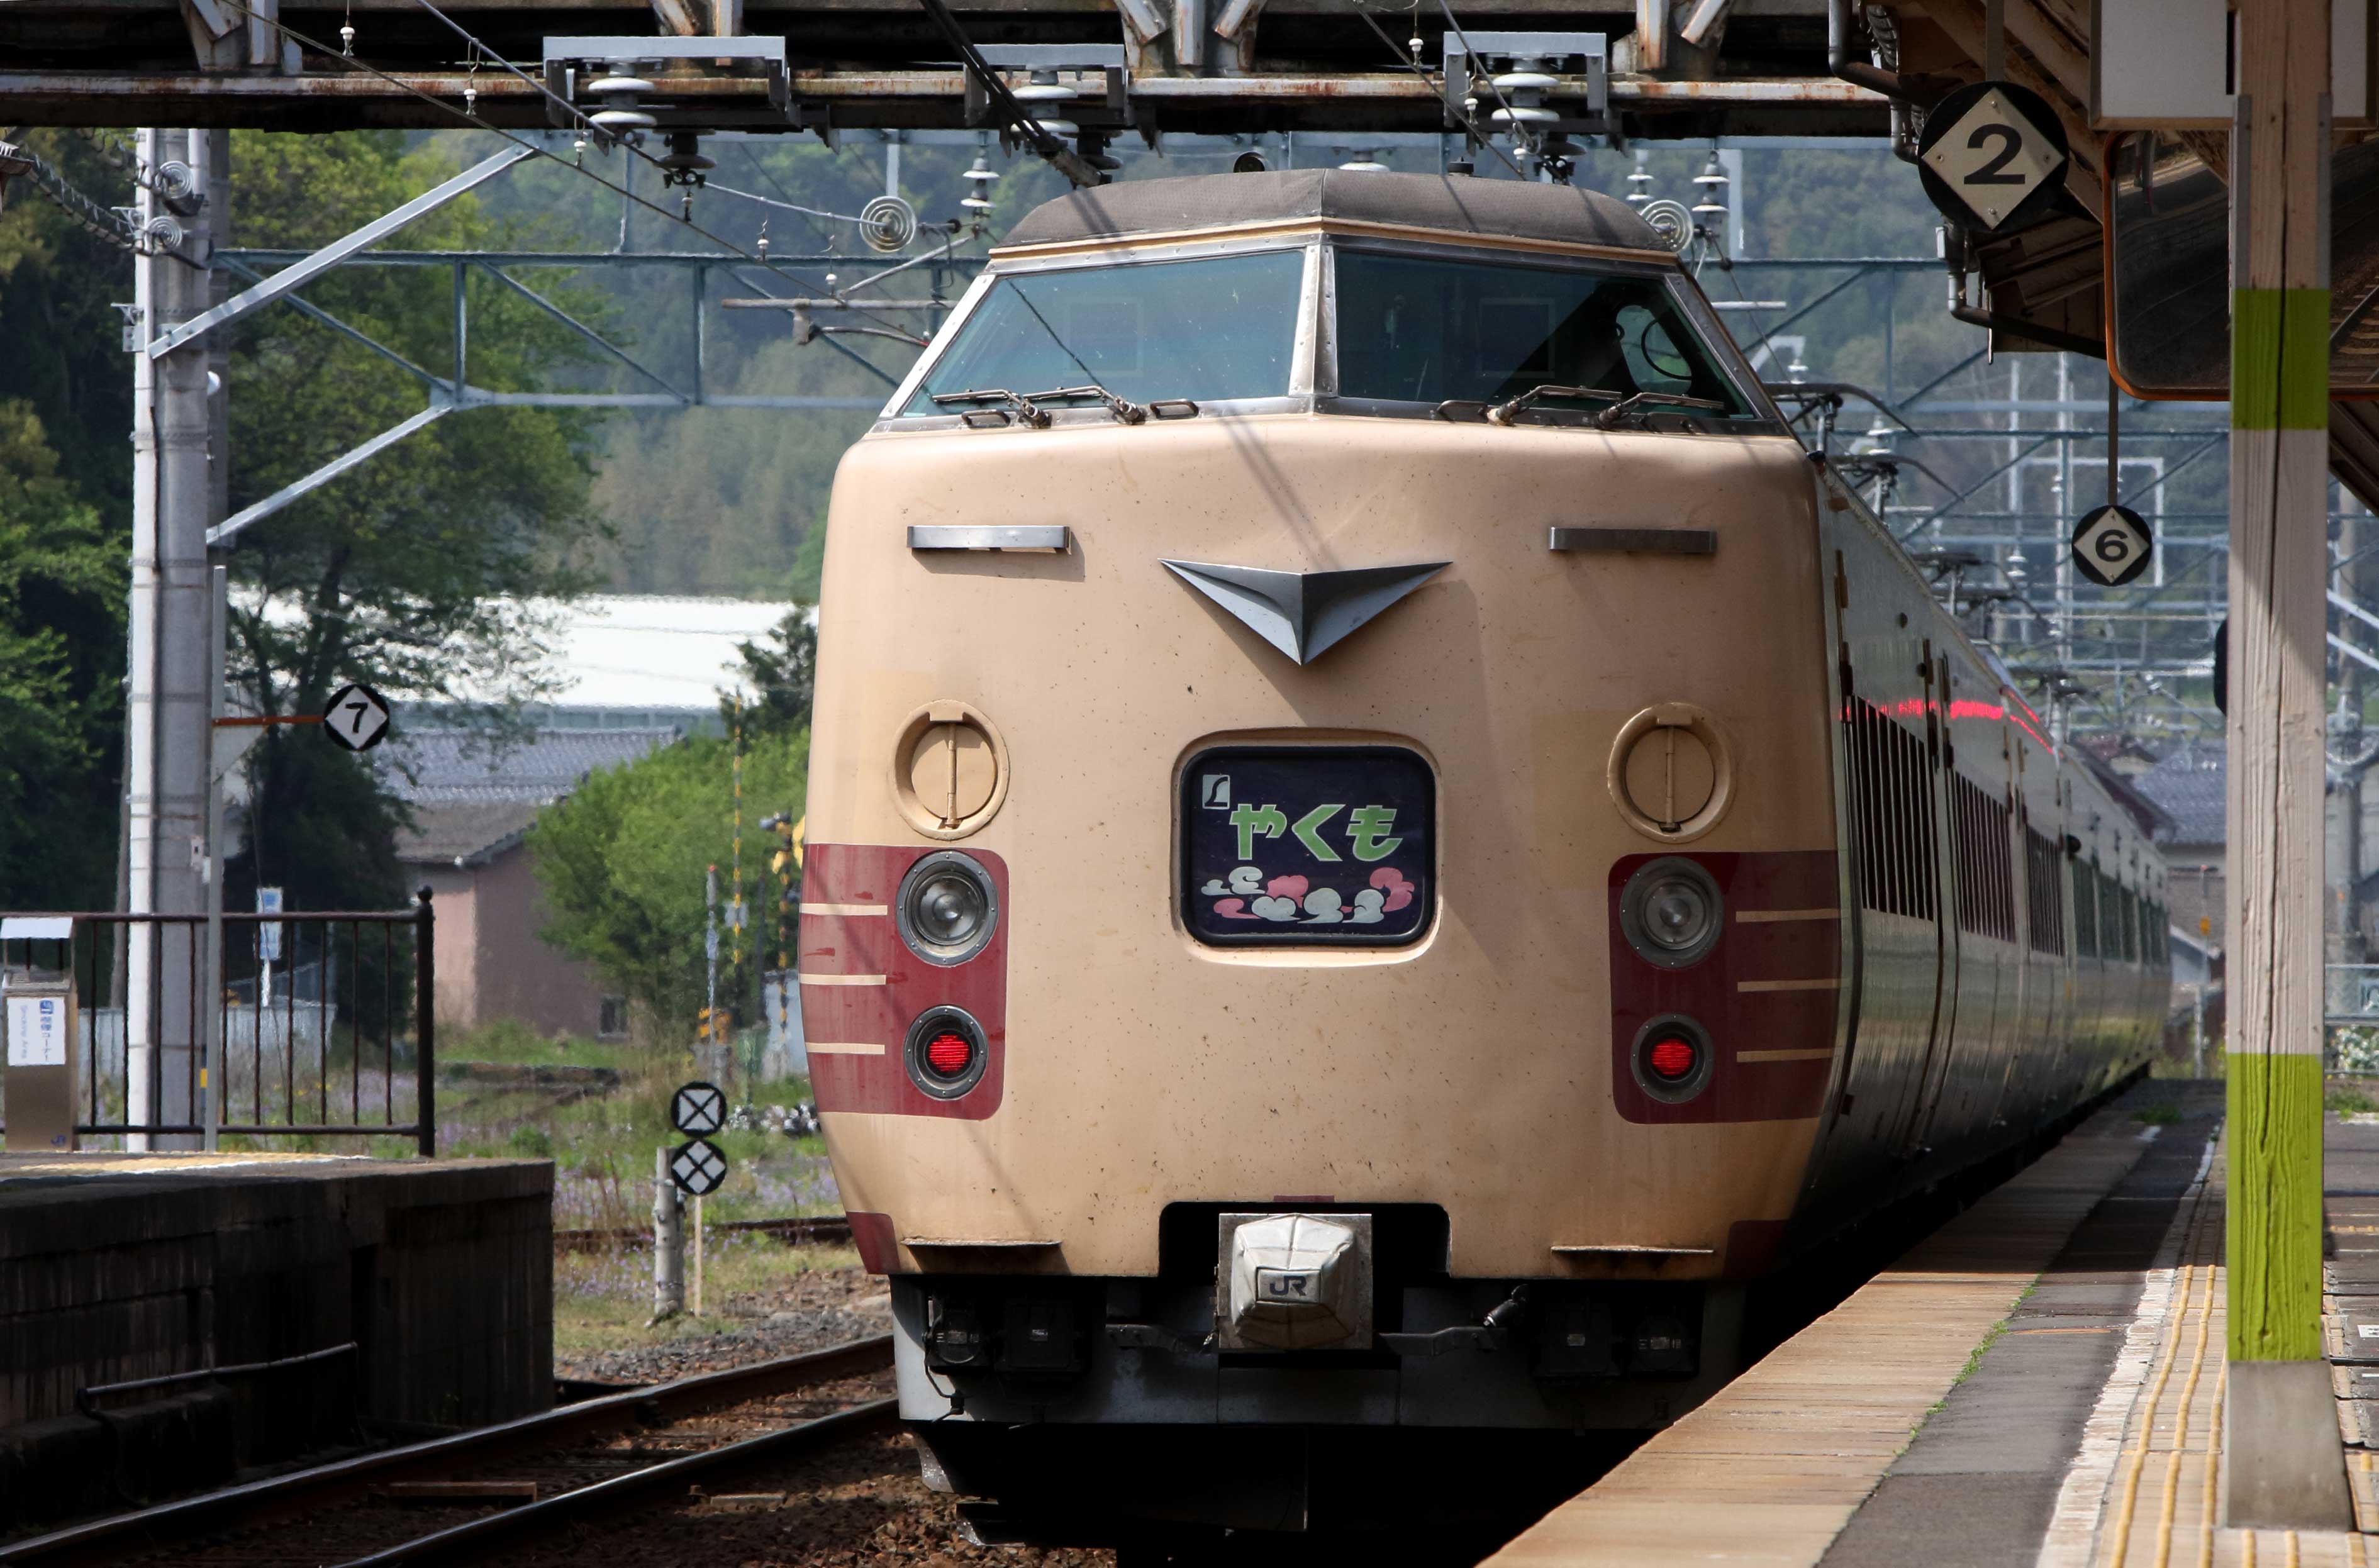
(167, 703)
(2282, 1465)
(668, 1242)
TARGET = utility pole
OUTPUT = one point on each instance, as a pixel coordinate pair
(167, 707)
(710, 968)
(2283, 1466)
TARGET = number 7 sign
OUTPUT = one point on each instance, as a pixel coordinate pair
(356, 717)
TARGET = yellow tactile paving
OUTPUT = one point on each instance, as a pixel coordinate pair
(2161, 1507)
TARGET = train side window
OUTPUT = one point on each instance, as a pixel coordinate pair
(1892, 813)
(2044, 894)
(2086, 908)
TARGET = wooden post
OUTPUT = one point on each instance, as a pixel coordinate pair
(2283, 1464)
(697, 1309)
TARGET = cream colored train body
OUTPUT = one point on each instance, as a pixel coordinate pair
(1690, 883)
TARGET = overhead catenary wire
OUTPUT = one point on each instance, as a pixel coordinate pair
(1012, 112)
(303, 42)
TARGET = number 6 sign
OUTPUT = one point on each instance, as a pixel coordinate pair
(356, 717)
(1993, 157)
(2111, 546)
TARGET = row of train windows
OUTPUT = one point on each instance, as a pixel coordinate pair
(1892, 808)
(2115, 922)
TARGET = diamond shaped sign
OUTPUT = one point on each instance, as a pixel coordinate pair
(697, 1167)
(2112, 546)
(1991, 155)
(356, 717)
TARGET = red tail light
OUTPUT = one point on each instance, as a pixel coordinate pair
(949, 1053)
(1672, 1058)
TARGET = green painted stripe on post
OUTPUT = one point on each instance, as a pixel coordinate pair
(2275, 1206)
(2279, 359)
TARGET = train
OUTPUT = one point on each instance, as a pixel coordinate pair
(1382, 842)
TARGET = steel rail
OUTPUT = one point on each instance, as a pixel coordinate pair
(111, 1540)
(476, 1534)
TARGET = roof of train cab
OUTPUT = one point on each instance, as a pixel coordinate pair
(1453, 204)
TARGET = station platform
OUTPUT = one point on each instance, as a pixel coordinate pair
(394, 1293)
(2040, 1382)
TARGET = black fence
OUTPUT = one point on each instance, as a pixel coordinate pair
(323, 1024)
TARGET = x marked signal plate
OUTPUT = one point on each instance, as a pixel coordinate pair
(698, 1109)
(697, 1167)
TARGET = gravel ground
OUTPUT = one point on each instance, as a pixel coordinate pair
(805, 1311)
(861, 1504)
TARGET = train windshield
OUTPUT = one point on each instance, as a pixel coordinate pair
(1438, 330)
(1218, 329)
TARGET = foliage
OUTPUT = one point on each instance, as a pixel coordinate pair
(622, 863)
(66, 486)
(61, 710)
(782, 672)
(412, 573)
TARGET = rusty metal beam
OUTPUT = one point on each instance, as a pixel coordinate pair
(915, 99)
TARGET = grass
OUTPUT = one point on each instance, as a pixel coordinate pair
(2157, 1115)
(2342, 1102)
(511, 1041)
(602, 1146)
(601, 1300)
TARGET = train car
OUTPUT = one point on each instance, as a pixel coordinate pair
(1383, 839)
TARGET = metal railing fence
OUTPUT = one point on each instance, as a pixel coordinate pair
(338, 1040)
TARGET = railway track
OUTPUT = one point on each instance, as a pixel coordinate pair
(451, 1498)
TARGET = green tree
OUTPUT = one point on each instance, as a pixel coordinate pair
(61, 707)
(622, 863)
(782, 672)
(418, 570)
(65, 507)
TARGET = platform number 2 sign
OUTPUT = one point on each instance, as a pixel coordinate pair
(1992, 157)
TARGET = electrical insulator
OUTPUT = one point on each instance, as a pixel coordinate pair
(619, 91)
(1710, 211)
(1524, 88)
(978, 178)
(1365, 161)
(1045, 88)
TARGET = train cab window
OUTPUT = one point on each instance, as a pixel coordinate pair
(1213, 329)
(1426, 330)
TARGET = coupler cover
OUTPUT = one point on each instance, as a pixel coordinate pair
(1293, 1282)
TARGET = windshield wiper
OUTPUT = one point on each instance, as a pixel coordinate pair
(1022, 405)
(1123, 408)
(1505, 412)
(1635, 403)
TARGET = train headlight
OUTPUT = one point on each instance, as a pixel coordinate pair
(948, 907)
(1671, 912)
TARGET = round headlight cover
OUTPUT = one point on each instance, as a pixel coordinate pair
(948, 907)
(1671, 911)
